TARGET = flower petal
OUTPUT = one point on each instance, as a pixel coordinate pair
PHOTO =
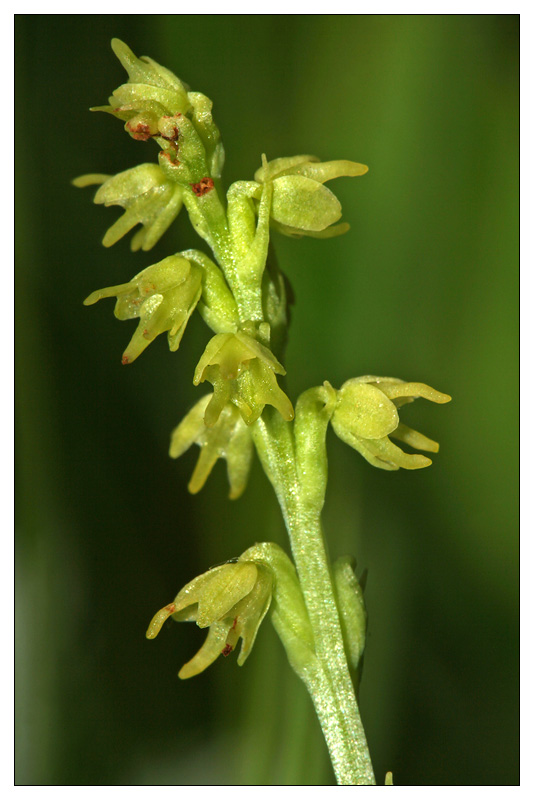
(304, 204)
(278, 166)
(388, 452)
(227, 586)
(414, 390)
(415, 439)
(328, 170)
(208, 653)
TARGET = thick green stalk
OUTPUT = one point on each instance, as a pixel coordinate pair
(329, 681)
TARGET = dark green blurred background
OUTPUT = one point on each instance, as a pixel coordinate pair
(424, 287)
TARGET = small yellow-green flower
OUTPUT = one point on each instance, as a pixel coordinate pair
(231, 601)
(243, 372)
(229, 438)
(162, 297)
(301, 205)
(366, 416)
(152, 92)
(149, 198)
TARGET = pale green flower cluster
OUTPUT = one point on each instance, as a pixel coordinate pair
(242, 296)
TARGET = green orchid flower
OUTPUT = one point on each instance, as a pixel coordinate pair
(231, 600)
(228, 438)
(243, 372)
(366, 415)
(149, 198)
(162, 297)
(301, 204)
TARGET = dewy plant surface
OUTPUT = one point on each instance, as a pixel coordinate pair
(316, 607)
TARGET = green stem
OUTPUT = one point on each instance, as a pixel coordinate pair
(328, 682)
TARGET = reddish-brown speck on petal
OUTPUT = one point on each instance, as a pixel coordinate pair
(227, 650)
(202, 187)
(125, 359)
(141, 131)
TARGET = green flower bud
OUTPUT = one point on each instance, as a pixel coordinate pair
(162, 296)
(366, 415)
(301, 205)
(150, 199)
(242, 372)
(229, 438)
(231, 601)
(152, 92)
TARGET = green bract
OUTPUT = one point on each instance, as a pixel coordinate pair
(162, 296)
(242, 371)
(301, 205)
(231, 601)
(149, 198)
(228, 438)
(366, 415)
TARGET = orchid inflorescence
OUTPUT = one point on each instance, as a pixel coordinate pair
(243, 297)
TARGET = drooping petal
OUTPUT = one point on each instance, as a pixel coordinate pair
(296, 233)
(208, 653)
(158, 619)
(239, 453)
(388, 452)
(187, 432)
(415, 439)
